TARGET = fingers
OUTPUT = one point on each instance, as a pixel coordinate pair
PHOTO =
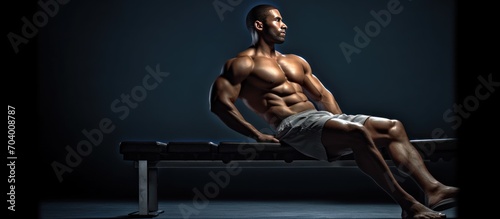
(268, 138)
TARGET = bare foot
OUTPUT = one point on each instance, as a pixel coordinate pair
(419, 211)
(443, 198)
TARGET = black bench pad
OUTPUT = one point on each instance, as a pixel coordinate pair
(432, 149)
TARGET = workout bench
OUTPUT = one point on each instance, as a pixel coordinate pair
(149, 156)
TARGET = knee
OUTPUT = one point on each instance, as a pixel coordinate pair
(358, 133)
(396, 129)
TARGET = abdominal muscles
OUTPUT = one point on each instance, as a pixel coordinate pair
(276, 103)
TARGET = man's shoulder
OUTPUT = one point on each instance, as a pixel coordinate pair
(293, 57)
(243, 59)
(240, 64)
(249, 52)
(240, 61)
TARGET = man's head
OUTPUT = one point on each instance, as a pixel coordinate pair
(265, 21)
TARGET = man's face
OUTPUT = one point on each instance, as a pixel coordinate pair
(274, 29)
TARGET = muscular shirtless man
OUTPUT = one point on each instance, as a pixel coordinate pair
(282, 89)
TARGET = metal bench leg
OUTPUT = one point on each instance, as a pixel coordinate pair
(148, 191)
(153, 189)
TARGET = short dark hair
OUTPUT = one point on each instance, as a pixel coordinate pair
(258, 12)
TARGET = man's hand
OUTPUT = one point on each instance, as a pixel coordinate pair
(267, 138)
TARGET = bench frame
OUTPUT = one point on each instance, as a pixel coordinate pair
(149, 156)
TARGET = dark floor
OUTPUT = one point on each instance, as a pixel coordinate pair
(255, 193)
(296, 209)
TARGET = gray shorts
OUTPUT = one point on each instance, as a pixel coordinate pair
(303, 131)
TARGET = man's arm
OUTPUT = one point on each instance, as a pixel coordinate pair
(317, 92)
(224, 93)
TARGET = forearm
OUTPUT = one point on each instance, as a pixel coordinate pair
(322, 97)
(231, 117)
(328, 104)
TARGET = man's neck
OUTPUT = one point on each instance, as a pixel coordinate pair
(263, 48)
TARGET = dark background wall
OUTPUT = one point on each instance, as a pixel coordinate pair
(91, 54)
